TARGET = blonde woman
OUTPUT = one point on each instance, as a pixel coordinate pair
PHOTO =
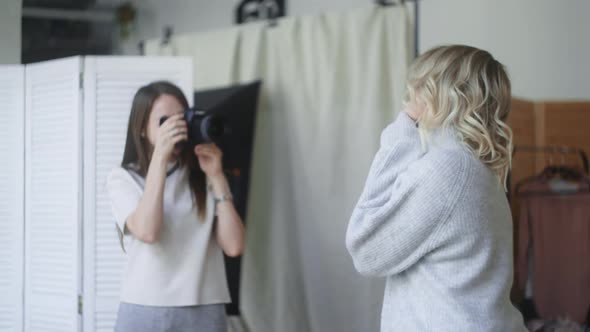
(433, 217)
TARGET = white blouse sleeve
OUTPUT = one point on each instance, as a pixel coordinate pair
(124, 195)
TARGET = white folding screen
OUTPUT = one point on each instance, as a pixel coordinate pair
(109, 86)
(12, 119)
(52, 186)
(75, 126)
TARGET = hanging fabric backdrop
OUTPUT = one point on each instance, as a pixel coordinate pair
(331, 83)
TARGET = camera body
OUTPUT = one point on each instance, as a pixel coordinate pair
(202, 127)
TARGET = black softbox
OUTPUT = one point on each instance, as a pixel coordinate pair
(237, 106)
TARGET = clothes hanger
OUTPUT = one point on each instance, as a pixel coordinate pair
(564, 179)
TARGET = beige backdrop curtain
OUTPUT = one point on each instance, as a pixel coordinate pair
(331, 83)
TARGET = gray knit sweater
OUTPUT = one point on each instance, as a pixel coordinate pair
(437, 225)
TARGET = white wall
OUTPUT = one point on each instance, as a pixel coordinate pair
(544, 43)
(10, 31)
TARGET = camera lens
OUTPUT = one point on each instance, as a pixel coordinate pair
(212, 128)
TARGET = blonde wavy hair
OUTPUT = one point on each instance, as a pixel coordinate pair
(466, 89)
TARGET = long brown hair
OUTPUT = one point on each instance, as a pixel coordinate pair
(138, 149)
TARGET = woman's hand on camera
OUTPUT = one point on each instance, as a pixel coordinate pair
(172, 131)
(209, 156)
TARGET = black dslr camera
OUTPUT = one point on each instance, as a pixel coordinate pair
(202, 128)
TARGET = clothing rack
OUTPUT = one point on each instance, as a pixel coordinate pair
(562, 150)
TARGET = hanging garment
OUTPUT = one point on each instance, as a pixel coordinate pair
(556, 227)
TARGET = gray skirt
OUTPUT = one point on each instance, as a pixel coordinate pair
(201, 318)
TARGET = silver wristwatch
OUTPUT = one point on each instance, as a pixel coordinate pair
(222, 198)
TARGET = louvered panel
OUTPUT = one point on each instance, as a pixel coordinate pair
(12, 140)
(104, 321)
(53, 182)
(50, 321)
(110, 84)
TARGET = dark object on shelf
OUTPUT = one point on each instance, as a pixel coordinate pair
(260, 10)
(53, 29)
(126, 14)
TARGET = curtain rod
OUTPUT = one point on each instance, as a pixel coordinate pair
(168, 30)
(393, 3)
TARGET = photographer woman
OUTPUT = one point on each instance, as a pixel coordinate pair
(433, 217)
(174, 216)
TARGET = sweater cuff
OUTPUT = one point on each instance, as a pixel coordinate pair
(406, 125)
(402, 128)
